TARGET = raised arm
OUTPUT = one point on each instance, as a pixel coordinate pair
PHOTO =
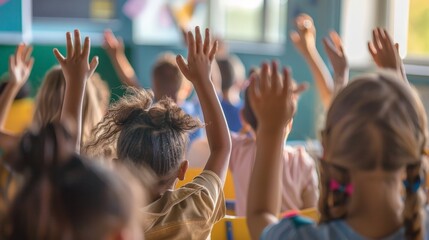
(115, 49)
(335, 51)
(304, 40)
(272, 100)
(76, 70)
(20, 65)
(384, 53)
(198, 71)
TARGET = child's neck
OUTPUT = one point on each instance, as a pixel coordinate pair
(380, 214)
(231, 96)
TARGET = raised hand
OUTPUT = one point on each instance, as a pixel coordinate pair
(304, 38)
(113, 45)
(20, 65)
(335, 51)
(75, 65)
(271, 97)
(198, 71)
(76, 70)
(200, 57)
(383, 51)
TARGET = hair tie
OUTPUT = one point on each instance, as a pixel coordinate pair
(336, 186)
(413, 187)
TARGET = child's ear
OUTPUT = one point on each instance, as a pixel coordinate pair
(182, 170)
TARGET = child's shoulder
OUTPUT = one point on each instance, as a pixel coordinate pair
(298, 154)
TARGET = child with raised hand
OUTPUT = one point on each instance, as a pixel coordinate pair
(299, 177)
(304, 40)
(155, 135)
(371, 171)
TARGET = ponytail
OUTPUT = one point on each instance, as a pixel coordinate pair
(413, 205)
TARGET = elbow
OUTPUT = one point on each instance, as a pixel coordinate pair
(223, 148)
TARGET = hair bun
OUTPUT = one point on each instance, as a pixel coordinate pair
(165, 114)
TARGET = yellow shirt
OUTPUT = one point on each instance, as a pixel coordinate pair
(188, 212)
(20, 115)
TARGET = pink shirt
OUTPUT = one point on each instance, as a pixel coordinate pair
(300, 179)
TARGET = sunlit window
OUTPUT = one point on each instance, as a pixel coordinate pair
(418, 29)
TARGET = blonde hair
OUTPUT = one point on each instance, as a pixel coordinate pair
(377, 121)
(49, 101)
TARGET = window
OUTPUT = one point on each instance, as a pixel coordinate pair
(82, 9)
(261, 21)
(418, 29)
(253, 20)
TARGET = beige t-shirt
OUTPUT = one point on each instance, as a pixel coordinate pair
(188, 212)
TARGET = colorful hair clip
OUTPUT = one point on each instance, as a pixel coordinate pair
(414, 187)
(336, 186)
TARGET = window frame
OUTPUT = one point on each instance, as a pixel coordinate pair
(261, 46)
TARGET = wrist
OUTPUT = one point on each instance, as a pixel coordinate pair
(271, 129)
(203, 82)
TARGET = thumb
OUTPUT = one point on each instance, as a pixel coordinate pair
(183, 66)
(301, 88)
(93, 65)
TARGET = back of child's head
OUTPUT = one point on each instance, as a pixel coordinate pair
(231, 71)
(50, 97)
(64, 196)
(166, 77)
(24, 91)
(145, 133)
(376, 123)
(227, 73)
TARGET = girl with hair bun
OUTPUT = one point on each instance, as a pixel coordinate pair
(156, 135)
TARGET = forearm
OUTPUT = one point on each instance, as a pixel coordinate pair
(321, 75)
(263, 202)
(6, 100)
(71, 112)
(216, 128)
(341, 80)
(124, 70)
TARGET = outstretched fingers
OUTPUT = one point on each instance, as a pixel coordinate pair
(276, 83)
(86, 48)
(213, 52)
(60, 58)
(77, 43)
(207, 41)
(264, 83)
(198, 40)
(183, 66)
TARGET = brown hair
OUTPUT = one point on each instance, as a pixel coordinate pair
(376, 122)
(65, 196)
(167, 78)
(143, 132)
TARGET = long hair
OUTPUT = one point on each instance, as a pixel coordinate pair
(64, 195)
(377, 121)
